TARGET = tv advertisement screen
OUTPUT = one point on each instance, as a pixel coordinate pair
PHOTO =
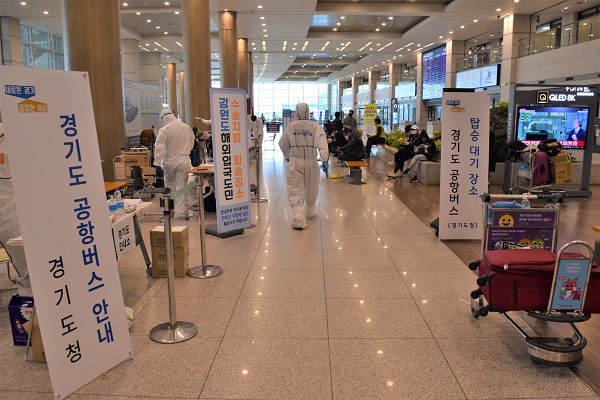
(568, 125)
(434, 73)
(478, 77)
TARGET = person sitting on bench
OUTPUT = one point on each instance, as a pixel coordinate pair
(425, 150)
(354, 150)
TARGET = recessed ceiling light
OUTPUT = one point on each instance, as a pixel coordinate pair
(158, 27)
(262, 17)
(23, 3)
(138, 13)
(451, 32)
(266, 35)
(264, 30)
(390, 18)
(147, 44)
(259, 6)
(498, 9)
(377, 30)
(475, 20)
(342, 17)
(462, 27)
(516, 1)
(46, 12)
(339, 23)
(440, 37)
(177, 12)
(167, 3)
(166, 33)
(155, 49)
(335, 29)
(148, 20)
(125, 4)
(264, 24)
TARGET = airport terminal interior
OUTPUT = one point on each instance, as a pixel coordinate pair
(365, 302)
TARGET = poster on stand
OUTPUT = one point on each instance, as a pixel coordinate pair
(464, 169)
(368, 120)
(53, 149)
(230, 155)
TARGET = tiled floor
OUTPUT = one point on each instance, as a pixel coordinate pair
(363, 304)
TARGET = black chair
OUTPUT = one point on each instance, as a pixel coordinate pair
(141, 182)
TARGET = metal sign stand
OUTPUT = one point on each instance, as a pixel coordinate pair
(173, 331)
(258, 199)
(202, 271)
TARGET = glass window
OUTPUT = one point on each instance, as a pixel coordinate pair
(41, 50)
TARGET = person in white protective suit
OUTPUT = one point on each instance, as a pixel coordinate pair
(255, 130)
(9, 220)
(172, 149)
(299, 144)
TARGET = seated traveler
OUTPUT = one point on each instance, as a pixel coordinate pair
(354, 150)
(424, 151)
(379, 137)
(407, 152)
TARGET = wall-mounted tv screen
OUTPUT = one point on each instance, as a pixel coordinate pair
(568, 125)
(478, 77)
(434, 73)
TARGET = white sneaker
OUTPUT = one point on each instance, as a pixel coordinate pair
(391, 174)
(399, 174)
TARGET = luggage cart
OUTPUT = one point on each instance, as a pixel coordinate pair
(523, 178)
(550, 351)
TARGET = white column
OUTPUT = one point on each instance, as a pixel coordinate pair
(130, 59)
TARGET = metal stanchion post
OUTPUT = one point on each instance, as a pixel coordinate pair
(173, 331)
(258, 199)
(203, 271)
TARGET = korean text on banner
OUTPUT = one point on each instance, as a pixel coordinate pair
(368, 120)
(68, 241)
(230, 155)
(465, 157)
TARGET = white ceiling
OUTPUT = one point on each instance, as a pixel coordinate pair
(306, 27)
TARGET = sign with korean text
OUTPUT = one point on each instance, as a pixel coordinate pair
(368, 120)
(465, 156)
(52, 143)
(124, 235)
(230, 155)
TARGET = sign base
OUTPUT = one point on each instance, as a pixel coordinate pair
(179, 332)
(211, 229)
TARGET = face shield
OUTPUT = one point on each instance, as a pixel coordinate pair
(163, 114)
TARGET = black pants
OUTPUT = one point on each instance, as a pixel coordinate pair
(373, 140)
(401, 157)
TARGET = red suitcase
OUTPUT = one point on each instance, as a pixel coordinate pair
(521, 280)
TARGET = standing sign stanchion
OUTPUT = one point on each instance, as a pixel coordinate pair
(173, 331)
(202, 271)
(258, 199)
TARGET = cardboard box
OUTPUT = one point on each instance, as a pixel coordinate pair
(179, 234)
(143, 160)
(159, 270)
(37, 346)
(561, 157)
(20, 310)
(180, 254)
(560, 172)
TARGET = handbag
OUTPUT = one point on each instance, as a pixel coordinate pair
(550, 146)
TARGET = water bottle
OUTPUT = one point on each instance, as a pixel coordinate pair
(120, 203)
(112, 206)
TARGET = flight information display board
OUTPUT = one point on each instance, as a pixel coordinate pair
(434, 73)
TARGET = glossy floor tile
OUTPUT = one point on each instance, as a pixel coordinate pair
(365, 303)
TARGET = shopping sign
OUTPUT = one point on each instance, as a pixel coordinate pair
(53, 147)
(230, 155)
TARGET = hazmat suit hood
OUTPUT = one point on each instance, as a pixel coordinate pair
(302, 111)
(167, 116)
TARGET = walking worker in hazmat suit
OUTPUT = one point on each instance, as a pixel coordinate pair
(172, 149)
(299, 144)
(9, 220)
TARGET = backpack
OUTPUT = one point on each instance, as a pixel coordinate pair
(541, 173)
(550, 147)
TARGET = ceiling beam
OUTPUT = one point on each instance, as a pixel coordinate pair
(354, 35)
(380, 9)
(308, 60)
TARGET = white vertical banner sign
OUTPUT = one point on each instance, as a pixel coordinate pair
(230, 155)
(465, 157)
(369, 119)
(53, 147)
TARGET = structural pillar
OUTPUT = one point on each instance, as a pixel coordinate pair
(94, 37)
(242, 60)
(172, 87)
(10, 36)
(251, 80)
(454, 49)
(516, 27)
(195, 16)
(130, 59)
(150, 71)
(421, 112)
(181, 96)
(228, 45)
